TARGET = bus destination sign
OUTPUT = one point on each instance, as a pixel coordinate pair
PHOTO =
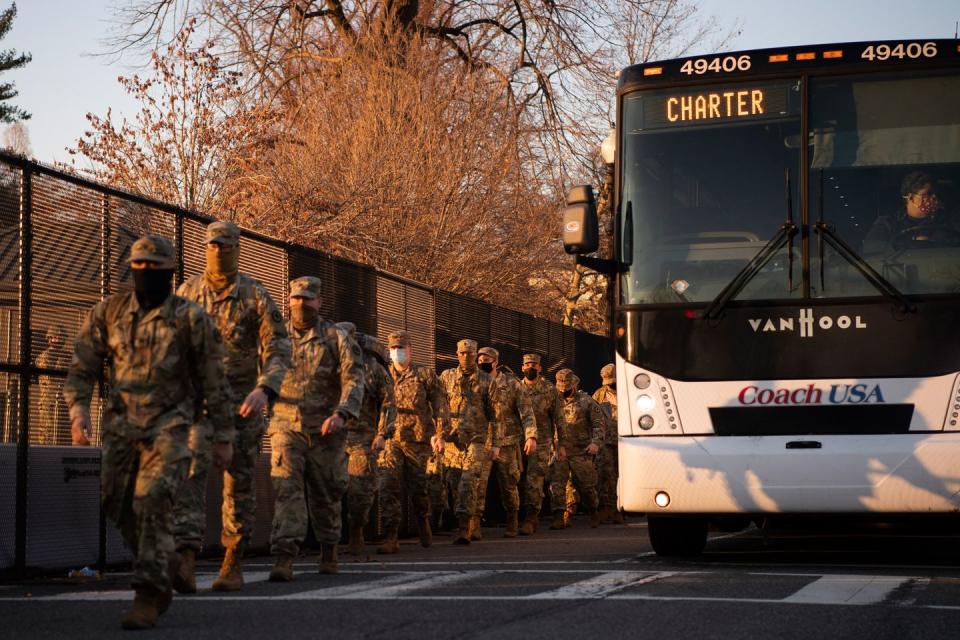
(716, 105)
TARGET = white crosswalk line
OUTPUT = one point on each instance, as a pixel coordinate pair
(600, 586)
(388, 588)
(205, 581)
(847, 589)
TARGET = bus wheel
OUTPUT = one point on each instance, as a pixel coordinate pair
(677, 536)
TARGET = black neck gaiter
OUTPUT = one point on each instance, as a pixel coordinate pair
(152, 286)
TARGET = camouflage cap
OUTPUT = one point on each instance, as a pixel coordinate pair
(398, 339)
(305, 287)
(467, 346)
(348, 327)
(531, 357)
(608, 374)
(223, 232)
(489, 351)
(154, 249)
(566, 379)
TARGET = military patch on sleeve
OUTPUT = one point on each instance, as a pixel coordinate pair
(276, 316)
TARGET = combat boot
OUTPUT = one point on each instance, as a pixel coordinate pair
(594, 519)
(605, 515)
(144, 613)
(355, 547)
(231, 573)
(529, 526)
(618, 517)
(426, 534)
(463, 532)
(567, 519)
(328, 559)
(475, 533)
(559, 519)
(511, 530)
(282, 570)
(390, 544)
(185, 579)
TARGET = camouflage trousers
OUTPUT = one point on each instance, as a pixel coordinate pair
(437, 488)
(462, 469)
(139, 482)
(51, 412)
(581, 470)
(607, 474)
(404, 465)
(309, 475)
(362, 482)
(538, 469)
(238, 511)
(508, 467)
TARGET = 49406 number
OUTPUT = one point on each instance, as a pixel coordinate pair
(900, 51)
(721, 64)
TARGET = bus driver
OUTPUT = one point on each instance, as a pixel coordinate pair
(921, 220)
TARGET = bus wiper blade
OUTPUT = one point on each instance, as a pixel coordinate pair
(880, 283)
(786, 233)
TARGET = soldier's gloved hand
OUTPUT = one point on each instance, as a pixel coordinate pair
(332, 424)
(591, 449)
(222, 454)
(80, 431)
(494, 453)
(254, 403)
(561, 453)
(379, 443)
(530, 447)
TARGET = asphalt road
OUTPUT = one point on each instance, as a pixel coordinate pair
(866, 582)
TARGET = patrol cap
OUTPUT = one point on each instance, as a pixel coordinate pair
(305, 287)
(565, 378)
(531, 357)
(398, 339)
(154, 249)
(223, 232)
(489, 351)
(608, 374)
(467, 346)
(348, 327)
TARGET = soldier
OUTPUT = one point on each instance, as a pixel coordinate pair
(515, 421)
(551, 424)
(422, 416)
(471, 412)
(582, 440)
(164, 354)
(53, 357)
(308, 437)
(256, 355)
(367, 436)
(606, 397)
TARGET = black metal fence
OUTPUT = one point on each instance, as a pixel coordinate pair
(64, 244)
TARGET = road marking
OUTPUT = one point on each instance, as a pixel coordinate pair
(387, 588)
(847, 589)
(457, 563)
(600, 586)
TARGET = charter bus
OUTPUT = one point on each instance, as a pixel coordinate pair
(786, 304)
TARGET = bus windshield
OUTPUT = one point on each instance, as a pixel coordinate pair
(704, 186)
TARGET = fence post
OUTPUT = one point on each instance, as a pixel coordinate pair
(106, 282)
(23, 417)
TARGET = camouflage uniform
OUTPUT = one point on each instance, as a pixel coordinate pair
(51, 403)
(606, 397)
(547, 408)
(326, 377)
(257, 354)
(471, 411)
(421, 409)
(161, 361)
(585, 425)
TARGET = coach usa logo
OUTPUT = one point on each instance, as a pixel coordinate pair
(805, 323)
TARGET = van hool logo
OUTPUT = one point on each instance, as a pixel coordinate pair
(805, 323)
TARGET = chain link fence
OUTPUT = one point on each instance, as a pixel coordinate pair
(64, 245)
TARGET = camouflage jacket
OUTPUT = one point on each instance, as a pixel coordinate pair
(256, 346)
(377, 411)
(471, 406)
(421, 403)
(326, 376)
(547, 407)
(514, 415)
(585, 423)
(161, 362)
(607, 399)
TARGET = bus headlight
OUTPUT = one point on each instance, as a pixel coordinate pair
(662, 499)
(645, 403)
(646, 422)
(641, 381)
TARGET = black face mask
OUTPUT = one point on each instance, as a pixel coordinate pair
(567, 393)
(152, 286)
(530, 374)
(486, 366)
(613, 386)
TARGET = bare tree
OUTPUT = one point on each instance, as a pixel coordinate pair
(16, 138)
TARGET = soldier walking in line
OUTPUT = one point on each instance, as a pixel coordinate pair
(256, 356)
(606, 397)
(308, 437)
(165, 355)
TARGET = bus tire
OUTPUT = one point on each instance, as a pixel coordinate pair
(677, 536)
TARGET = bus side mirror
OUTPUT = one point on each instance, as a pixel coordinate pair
(580, 224)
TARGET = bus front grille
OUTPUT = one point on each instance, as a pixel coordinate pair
(812, 420)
